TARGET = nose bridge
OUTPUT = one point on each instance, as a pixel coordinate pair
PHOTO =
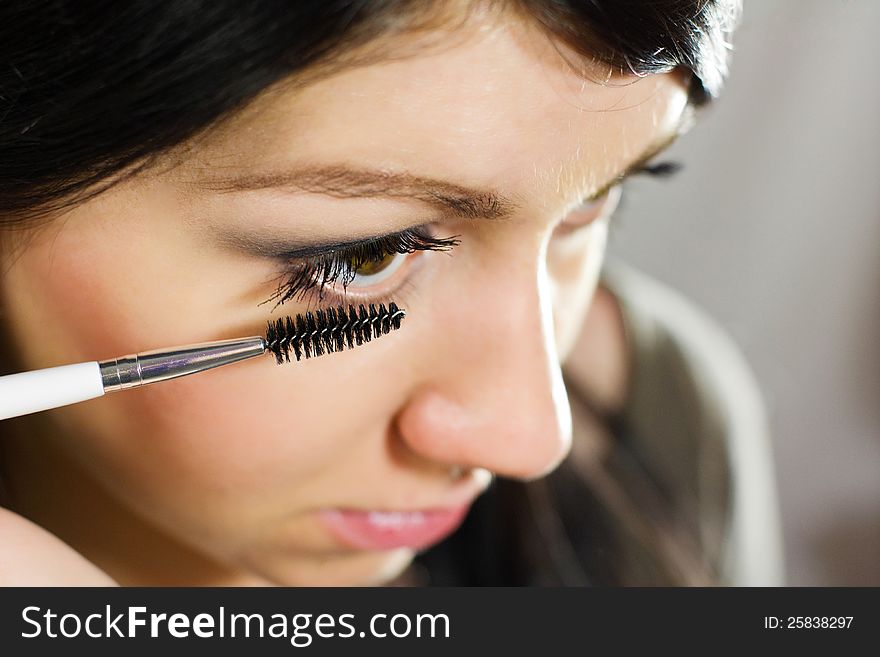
(515, 351)
(494, 398)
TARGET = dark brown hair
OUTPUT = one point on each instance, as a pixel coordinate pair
(92, 91)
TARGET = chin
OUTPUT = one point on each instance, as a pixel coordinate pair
(396, 562)
(361, 568)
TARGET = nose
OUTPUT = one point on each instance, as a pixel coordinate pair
(494, 397)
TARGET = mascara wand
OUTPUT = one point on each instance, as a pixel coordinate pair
(307, 336)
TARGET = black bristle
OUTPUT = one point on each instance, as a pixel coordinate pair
(320, 331)
(303, 335)
(395, 315)
(273, 342)
(363, 325)
(312, 344)
(330, 330)
(281, 354)
(381, 320)
(337, 318)
(293, 340)
(317, 336)
(374, 327)
(351, 320)
(327, 332)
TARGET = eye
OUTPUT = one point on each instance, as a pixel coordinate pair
(588, 211)
(373, 272)
(362, 264)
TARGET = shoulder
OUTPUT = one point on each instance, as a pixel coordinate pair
(695, 420)
(31, 556)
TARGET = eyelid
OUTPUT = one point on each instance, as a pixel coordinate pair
(602, 197)
(302, 276)
(662, 169)
(329, 248)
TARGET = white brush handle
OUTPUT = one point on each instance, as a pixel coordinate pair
(39, 390)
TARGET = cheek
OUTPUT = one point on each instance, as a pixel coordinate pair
(225, 454)
(118, 276)
(88, 294)
(243, 428)
(58, 310)
(252, 422)
(247, 441)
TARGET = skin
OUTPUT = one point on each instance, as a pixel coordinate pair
(215, 478)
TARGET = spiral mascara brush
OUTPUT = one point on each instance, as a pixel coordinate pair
(306, 336)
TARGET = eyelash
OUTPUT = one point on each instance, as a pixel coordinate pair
(662, 169)
(311, 275)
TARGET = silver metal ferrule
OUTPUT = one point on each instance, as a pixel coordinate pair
(163, 364)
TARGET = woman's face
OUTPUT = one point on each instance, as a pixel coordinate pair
(248, 467)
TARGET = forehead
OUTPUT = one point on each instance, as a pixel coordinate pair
(497, 105)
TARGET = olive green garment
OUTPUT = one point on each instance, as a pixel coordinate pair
(696, 423)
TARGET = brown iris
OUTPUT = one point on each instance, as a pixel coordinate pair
(371, 267)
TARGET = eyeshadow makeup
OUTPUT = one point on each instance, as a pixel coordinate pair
(306, 336)
(309, 271)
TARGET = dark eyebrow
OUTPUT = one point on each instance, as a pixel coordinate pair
(344, 181)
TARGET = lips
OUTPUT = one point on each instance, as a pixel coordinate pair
(383, 530)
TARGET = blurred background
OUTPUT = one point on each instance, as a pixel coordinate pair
(773, 227)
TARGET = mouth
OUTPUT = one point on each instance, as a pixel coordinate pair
(384, 530)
